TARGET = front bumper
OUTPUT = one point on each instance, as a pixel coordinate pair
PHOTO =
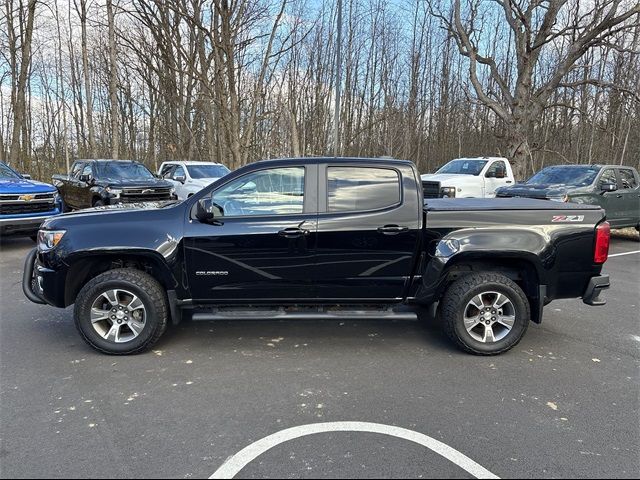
(23, 224)
(41, 284)
(594, 289)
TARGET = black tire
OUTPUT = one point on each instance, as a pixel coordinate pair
(148, 290)
(457, 299)
(98, 203)
(34, 237)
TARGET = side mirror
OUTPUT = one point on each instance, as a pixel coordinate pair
(85, 178)
(180, 178)
(26, 176)
(204, 210)
(491, 174)
(608, 187)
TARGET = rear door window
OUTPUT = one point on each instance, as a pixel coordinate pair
(351, 189)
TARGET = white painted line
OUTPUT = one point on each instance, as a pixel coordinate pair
(237, 462)
(625, 253)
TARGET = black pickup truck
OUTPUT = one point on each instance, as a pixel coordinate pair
(94, 183)
(319, 237)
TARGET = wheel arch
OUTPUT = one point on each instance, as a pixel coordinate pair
(84, 268)
(522, 270)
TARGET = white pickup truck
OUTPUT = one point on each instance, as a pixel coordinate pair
(191, 177)
(468, 178)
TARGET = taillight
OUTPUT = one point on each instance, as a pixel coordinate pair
(601, 250)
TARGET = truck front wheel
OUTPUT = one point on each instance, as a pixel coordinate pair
(122, 311)
(485, 313)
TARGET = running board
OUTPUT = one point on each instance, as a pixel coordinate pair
(318, 313)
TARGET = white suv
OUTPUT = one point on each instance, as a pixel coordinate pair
(191, 177)
(468, 178)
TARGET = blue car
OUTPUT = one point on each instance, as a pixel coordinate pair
(25, 203)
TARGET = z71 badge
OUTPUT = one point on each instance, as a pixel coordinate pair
(567, 218)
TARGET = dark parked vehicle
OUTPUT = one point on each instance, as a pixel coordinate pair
(94, 183)
(613, 187)
(320, 237)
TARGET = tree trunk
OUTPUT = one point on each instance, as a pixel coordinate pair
(19, 109)
(87, 81)
(113, 74)
(518, 151)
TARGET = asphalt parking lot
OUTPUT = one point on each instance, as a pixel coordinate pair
(563, 403)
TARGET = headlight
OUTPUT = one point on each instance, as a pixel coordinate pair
(114, 191)
(559, 198)
(48, 239)
(449, 192)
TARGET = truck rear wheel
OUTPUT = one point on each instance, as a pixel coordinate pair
(485, 313)
(122, 311)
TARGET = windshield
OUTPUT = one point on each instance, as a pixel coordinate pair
(6, 172)
(124, 170)
(207, 171)
(564, 175)
(463, 167)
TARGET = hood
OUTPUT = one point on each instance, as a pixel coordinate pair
(533, 190)
(147, 183)
(121, 208)
(23, 186)
(446, 179)
(107, 213)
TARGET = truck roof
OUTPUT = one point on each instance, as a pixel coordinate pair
(335, 161)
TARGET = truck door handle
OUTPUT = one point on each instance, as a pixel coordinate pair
(392, 229)
(508, 181)
(293, 232)
(618, 196)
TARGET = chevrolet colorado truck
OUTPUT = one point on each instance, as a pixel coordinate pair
(95, 183)
(25, 203)
(318, 237)
(615, 188)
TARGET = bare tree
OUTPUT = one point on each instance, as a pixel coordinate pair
(113, 82)
(19, 91)
(535, 25)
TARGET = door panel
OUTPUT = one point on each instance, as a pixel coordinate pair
(491, 183)
(263, 245)
(245, 258)
(366, 254)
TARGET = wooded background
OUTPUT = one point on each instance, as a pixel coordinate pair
(234, 81)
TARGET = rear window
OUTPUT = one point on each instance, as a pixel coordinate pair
(361, 188)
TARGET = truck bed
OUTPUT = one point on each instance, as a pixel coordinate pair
(479, 204)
